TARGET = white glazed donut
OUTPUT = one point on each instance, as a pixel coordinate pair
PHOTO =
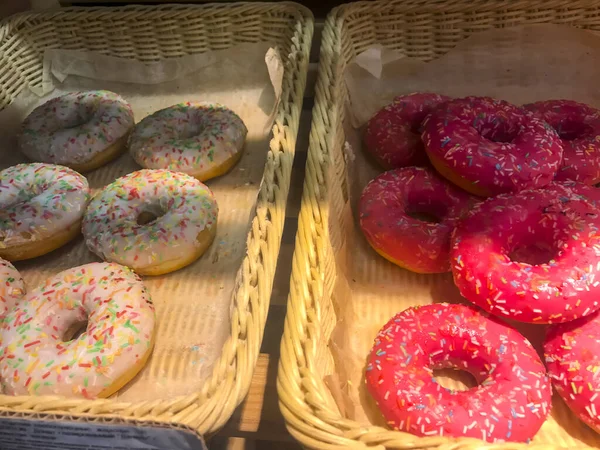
(39, 354)
(12, 287)
(80, 130)
(41, 207)
(201, 139)
(153, 221)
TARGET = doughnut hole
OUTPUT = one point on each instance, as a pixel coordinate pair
(495, 129)
(426, 210)
(535, 249)
(570, 130)
(75, 118)
(150, 215)
(75, 330)
(535, 253)
(454, 379)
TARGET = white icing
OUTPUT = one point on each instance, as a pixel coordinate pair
(35, 360)
(75, 127)
(188, 137)
(38, 200)
(110, 224)
(12, 286)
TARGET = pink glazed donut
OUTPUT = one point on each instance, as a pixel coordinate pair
(513, 396)
(407, 216)
(489, 147)
(532, 256)
(572, 353)
(393, 135)
(578, 126)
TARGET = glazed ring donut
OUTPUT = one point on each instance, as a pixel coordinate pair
(201, 139)
(393, 135)
(407, 216)
(513, 396)
(489, 147)
(532, 257)
(578, 127)
(80, 130)
(153, 221)
(12, 287)
(40, 354)
(41, 206)
(571, 351)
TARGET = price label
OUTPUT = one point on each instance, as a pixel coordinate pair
(21, 434)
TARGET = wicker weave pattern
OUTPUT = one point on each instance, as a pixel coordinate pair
(150, 34)
(423, 29)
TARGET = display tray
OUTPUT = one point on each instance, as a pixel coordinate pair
(341, 291)
(210, 315)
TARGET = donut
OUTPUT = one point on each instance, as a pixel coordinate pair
(407, 216)
(578, 126)
(571, 351)
(12, 287)
(40, 353)
(532, 256)
(41, 206)
(489, 147)
(80, 130)
(153, 221)
(393, 135)
(513, 396)
(203, 140)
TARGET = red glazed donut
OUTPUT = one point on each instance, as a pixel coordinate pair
(489, 146)
(389, 209)
(533, 256)
(572, 356)
(578, 127)
(393, 135)
(510, 403)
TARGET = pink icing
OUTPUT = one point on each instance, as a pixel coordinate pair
(572, 352)
(513, 396)
(393, 135)
(493, 145)
(492, 249)
(578, 126)
(385, 219)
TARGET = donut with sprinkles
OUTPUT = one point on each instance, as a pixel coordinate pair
(153, 221)
(12, 287)
(513, 396)
(578, 126)
(572, 353)
(41, 207)
(393, 135)
(407, 216)
(204, 140)
(40, 353)
(533, 256)
(80, 130)
(489, 147)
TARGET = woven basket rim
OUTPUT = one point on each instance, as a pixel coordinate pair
(309, 416)
(230, 381)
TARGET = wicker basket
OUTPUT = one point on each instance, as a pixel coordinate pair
(146, 33)
(423, 29)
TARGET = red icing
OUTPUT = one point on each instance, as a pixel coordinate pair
(510, 403)
(559, 220)
(578, 126)
(489, 146)
(415, 244)
(572, 353)
(393, 135)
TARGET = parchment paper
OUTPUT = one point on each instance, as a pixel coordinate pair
(517, 64)
(192, 304)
